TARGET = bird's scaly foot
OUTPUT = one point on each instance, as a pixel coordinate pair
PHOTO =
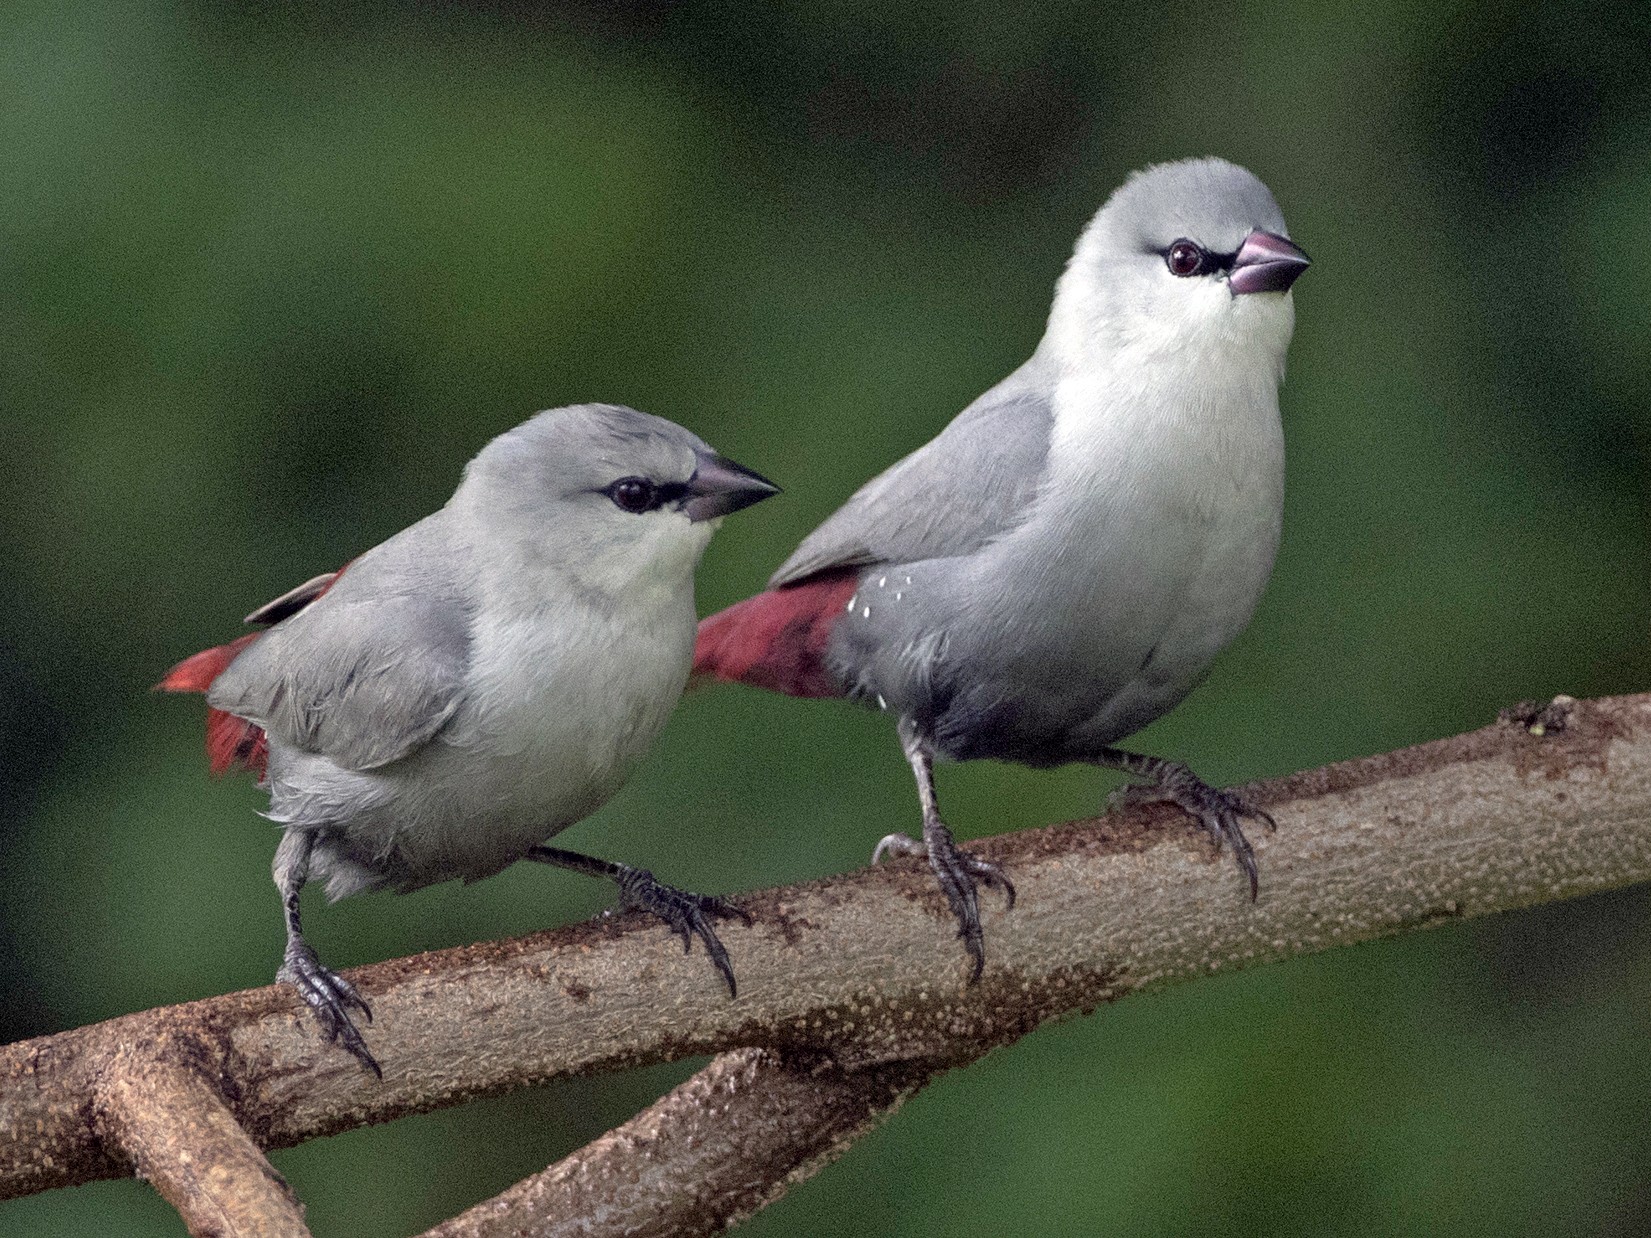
(687, 914)
(1219, 812)
(331, 997)
(959, 874)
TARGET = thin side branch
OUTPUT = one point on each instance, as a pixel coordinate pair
(863, 972)
(729, 1141)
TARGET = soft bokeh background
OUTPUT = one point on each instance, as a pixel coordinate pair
(270, 276)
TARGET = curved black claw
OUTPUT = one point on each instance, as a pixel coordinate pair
(959, 873)
(687, 914)
(331, 997)
(1219, 812)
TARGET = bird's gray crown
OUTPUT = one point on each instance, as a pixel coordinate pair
(583, 447)
(1210, 201)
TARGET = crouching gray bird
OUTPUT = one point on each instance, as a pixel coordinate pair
(458, 694)
(1059, 566)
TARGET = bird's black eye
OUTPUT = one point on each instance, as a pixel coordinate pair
(1186, 258)
(633, 494)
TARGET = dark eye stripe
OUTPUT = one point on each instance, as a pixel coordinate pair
(637, 494)
(633, 494)
(1208, 262)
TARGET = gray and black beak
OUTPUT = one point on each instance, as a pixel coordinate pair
(1266, 262)
(719, 486)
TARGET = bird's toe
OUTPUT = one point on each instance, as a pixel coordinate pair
(896, 845)
(686, 914)
(332, 998)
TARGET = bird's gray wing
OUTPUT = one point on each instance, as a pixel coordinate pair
(967, 486)
(370, 670)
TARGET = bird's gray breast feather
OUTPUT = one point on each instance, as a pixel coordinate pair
(367, 673)
(968, 486)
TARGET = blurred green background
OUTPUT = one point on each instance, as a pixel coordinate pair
(272, 273)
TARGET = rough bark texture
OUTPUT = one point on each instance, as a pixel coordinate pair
(862, 973)
(727, 1142)
(158, 1108)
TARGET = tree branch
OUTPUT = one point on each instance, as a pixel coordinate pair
(155, 1107)
(859, 977)
(729, 1141)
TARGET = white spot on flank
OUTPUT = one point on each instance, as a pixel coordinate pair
(898, 595)
(881, 703)
(865, 612)
(853, 602)
(908, 580)
(882, 581)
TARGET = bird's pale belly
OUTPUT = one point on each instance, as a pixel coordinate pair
(512, 769)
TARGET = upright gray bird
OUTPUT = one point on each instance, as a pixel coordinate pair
(1059, 567)
(484, 679)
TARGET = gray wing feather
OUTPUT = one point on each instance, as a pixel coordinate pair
(964, 488)
(370, 671)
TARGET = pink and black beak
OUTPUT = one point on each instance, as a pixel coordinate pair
(719, 486)
(1266, 262)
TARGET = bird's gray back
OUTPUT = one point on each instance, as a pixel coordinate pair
(964, 488)
(371, 670)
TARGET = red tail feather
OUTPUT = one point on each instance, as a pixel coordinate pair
(196, 672)
(777, 640)
(230, 740)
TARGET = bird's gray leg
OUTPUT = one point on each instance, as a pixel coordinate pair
(1218, 811)
(687, 914)
(954, 868)
(327, 993)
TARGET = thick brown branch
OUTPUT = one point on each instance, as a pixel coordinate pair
(157, 1109)
(863, 969)
(728, 1141)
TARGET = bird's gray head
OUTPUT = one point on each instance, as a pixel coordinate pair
(1192, 256)
(604, 492)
